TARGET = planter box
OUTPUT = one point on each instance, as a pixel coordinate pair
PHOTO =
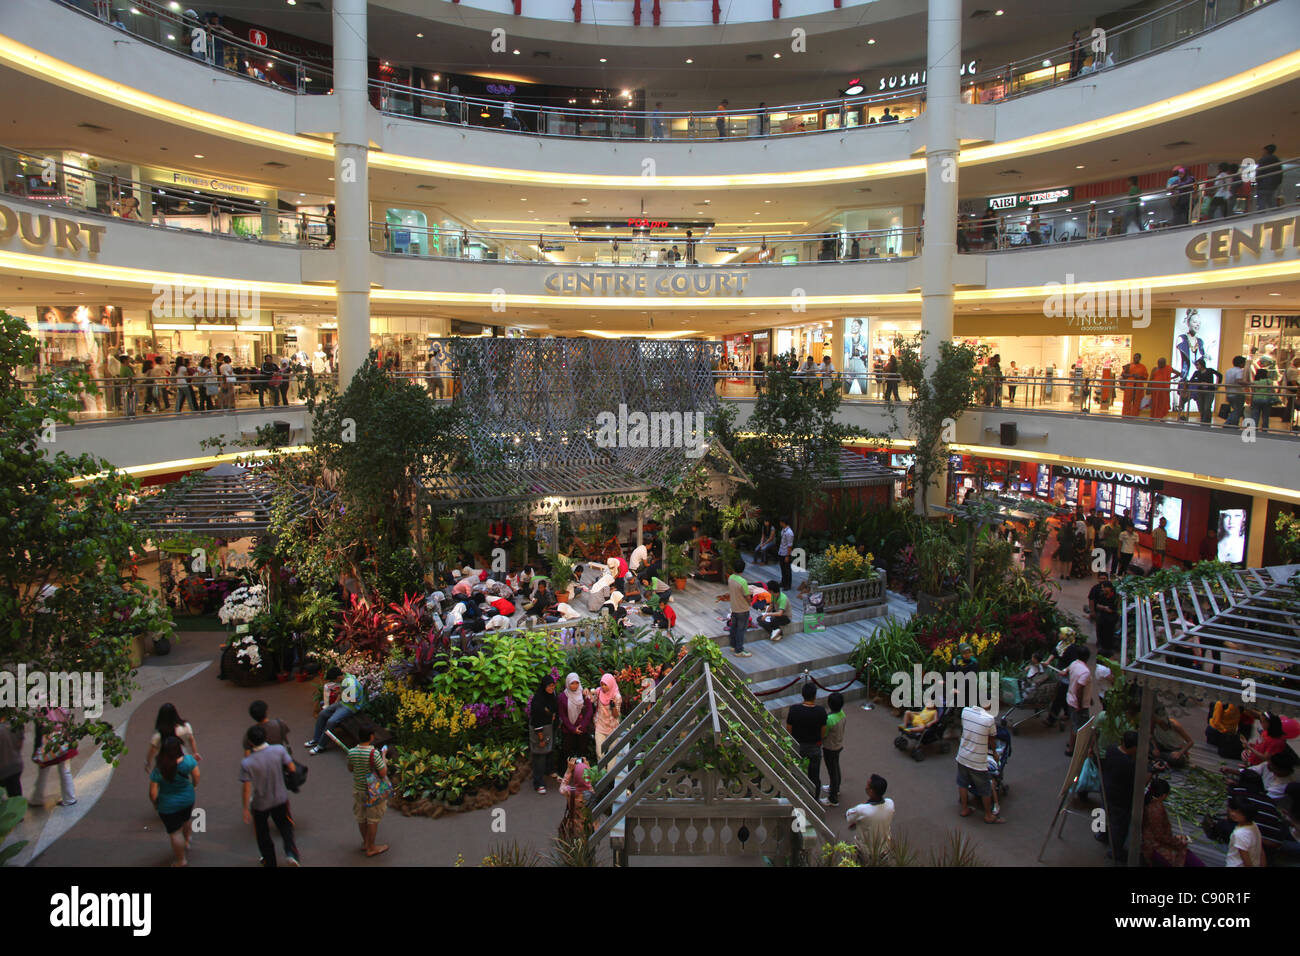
(927, 603)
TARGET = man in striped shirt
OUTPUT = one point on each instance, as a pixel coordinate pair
(978, 735)
(362, 760)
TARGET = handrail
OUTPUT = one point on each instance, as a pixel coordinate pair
(1124, 44)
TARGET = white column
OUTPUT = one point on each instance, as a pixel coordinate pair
(351, 187)
(943, 97)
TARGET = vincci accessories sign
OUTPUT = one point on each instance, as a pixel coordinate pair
(1114, 477)
(1219, 244)
(903, 81)
(1064, 194)
(617, 282)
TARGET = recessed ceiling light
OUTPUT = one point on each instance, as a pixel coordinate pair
(1078, 167)
(603, 60)
(420, 36)
(689, 60)
(767, 200)
(1275, 293)
(776, 56)
(198, 155)
(515, 52)
(998, 13)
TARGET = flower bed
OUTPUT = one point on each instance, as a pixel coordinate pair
(428, 784)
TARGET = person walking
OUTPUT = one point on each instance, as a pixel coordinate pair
(1221, 200)
(891, 379)
(658, 125)
(1268, 177)
(1078, 694)
(169, 723)
(542, 712)
(1135, 386)
(738, 595)
(1182, 185)
(172, 786)
(1263, 394)
(1159, 543)
(1235, 385)
(265, 797)
(1076, 54)
(1013, 378)
(1161, 378)
(1203, 383)
(978, 736)
(1103, 608)
(368, 803)
(226, 381)
(806, 723)
(183, 391)
(1128, 539)
(784, 553)
(266, 373)
(833, 746)
(1133, 206)
(722, 119)
(205, 380)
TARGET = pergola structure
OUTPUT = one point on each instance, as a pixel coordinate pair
(657, 798)
(576, 425)
(1244, 626)
(228, 501)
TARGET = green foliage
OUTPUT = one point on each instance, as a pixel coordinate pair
(316, 617)
(512, 854)
(1287, 527)
(892, 648)
(938, 560)
(578, 851)
(1134, 586)
(508, 666)
(419, 774)
(59, 529)
(795, 440)
(944, 390)
(839, 564)
(12, 811)
(561, 573)
(676, 563)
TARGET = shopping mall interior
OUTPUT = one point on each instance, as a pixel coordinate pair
(1046, 313)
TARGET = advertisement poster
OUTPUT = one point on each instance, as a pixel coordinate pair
(1072, 492)
(857, 355)
(1196, 336)
(1105, 497)
(1171, 509)
(1232, 535)
(1142, 511)
(1044, 486)
(1123, 501)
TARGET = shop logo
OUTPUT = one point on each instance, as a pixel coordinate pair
(1088, 307)
(39, 229)
(652, 430)
(176, 301)
(1217, 244)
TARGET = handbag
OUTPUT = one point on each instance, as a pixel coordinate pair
(1224, 410)
(295, 778)
(53, 749)
(377, 787)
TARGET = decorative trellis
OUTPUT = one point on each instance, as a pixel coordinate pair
(649, 803)
(228, 501)
(532, 408)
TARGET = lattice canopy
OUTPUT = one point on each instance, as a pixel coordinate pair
(1246, 622)
(656, 798)
(579, 424)
(228, 501)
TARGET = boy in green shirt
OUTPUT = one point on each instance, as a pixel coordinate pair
(833, 745)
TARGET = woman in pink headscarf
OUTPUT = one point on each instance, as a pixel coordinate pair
(609, 710)
(576, 791)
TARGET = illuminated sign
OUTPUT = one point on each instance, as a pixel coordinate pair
(1229, 243)
(39, 229)
(648, 223)
(257, 38)
(1064, 194)
(1257, 322)
(1117, 477)
(903, 81)
(499, 89)
(207, 183)
(618, 282)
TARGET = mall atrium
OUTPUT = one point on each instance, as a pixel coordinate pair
(373, 315)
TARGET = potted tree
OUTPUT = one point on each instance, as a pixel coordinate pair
(938, 564)
(676, 565)
(562, 577)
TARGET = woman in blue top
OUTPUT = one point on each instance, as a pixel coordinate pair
(171, 789)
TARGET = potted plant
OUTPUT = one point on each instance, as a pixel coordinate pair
(938, 564)
(562, 577)
(676, 565)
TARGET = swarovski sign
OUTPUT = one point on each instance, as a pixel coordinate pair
(1115, 477)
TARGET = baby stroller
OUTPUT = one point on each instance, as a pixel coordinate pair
(914, 742)
(1033, 695)
(997, 764)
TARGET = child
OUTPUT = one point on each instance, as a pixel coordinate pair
(1035, 666)
(833, 745)
(916, 721)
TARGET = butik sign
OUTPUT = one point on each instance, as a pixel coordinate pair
(903, 81)
(1063, 194)
(1256, 322)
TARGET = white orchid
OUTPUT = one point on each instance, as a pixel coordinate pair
(243, 604)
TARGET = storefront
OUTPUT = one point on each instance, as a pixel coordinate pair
(805, 340)
(206, 203)
(1277, 336)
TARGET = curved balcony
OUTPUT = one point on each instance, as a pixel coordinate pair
(1105, 103)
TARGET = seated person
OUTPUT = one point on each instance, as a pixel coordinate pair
(497, 622)
(916, 722)
(1277, 833)
(502, 606)
(561, 612)
(760, 598)
(778, 614)
(1035, 666)
(1275, 730)
(500, 534)
(543, 600)
(613, 607)
(708, 568)
(1170, 742)
(1223, 728)
(464, 585)
(766, 547)
(472, 617)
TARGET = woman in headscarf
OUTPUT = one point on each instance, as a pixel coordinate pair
(614, 607)
(609, 711)
(577, 716)
(541, 735)
(576, 791)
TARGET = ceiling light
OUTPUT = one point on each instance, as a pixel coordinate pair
(1047, 63)
(998, 13)
(871, 41)
(689, 60)
(174, 5)
(603, 60)
(776, 56)
(198, 155)
(1275, 293)
(419, 36)
(292, 3)
(515, 52)
(1078, 167)
(436, 76)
